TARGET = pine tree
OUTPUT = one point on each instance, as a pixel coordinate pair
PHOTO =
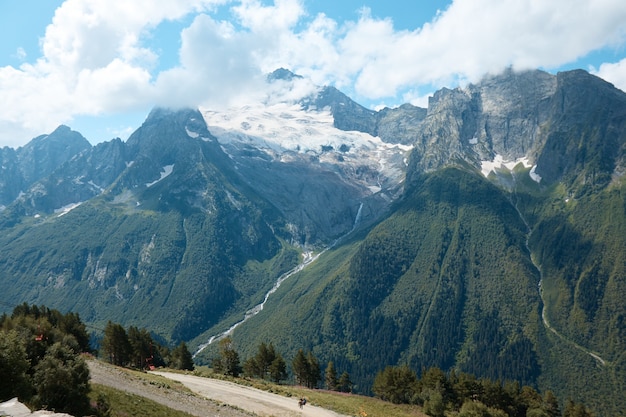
(278, 369)
(345, 384)
(251, 368)
(181, 358)
(551, 404)
(264, 358)
(300, 367)
(396, 384)
(314, 375)
(141, 346)
(228, 361)
(115, 344)
(306, 369)
(330, 377)
(573, 409)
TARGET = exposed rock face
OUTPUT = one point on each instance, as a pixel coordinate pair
(45, 153)
(21, 168)
(499, 116)
(11, 180)
(400, 125)
(551, 122)
(511, 107)
(584, 136)
(348, 114)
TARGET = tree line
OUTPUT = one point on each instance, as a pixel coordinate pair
(467, 396)
(42, 363)
(41, 360)
(270, 365)
(136, 348)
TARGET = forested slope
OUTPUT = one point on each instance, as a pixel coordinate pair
(447, 280)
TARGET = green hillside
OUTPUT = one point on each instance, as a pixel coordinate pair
(174, 273)
(447, 280)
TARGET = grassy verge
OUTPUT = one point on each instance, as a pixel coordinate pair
(123, 404)
(348, 404)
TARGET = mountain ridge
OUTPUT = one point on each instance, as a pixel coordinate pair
(465, 208)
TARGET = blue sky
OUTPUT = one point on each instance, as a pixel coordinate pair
(100, 66)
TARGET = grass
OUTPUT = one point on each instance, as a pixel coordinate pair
(123, 404)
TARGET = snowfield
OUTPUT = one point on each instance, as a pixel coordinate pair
(286, 132)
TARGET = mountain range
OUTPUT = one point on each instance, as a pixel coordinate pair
(485, 233)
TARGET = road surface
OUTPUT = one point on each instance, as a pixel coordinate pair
(177, 399)
(259, 402)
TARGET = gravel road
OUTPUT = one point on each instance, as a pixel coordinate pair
(259, 402)
(104, 374)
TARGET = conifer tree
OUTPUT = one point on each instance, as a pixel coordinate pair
(330, 377)
(573, 409)
(551, 404)
(181, 358)
(345, 384)
(115, 344)
(300, 367)
(278, 369)
(306, 369)
(228, 361)
(314, 376)
(396, 384)
(140, 343)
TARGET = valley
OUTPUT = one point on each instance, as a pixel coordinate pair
(484, 234)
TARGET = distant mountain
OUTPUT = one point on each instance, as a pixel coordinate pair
(23, 167)
(484, 234)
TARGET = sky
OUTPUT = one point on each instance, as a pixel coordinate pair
(100, 66)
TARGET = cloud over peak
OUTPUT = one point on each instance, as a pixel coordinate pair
(96, 57)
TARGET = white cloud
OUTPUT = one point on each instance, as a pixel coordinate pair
(92, 62)
(20, 54)
(473, 37)
(95, 58)
(613, 72)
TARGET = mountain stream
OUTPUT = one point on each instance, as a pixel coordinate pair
(544, 317)
(308, 259)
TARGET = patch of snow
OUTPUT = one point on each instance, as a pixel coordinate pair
(534, 176)
(166, 171)
(118, 293)
(96, 186)
(498, 162)
(191, 134)
(473, 141)
(283, 127)
(234, 202)
(286, 133)
(66, 209)
(37, 216)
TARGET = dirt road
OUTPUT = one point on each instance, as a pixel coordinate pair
(254, 400)
(176, 399)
